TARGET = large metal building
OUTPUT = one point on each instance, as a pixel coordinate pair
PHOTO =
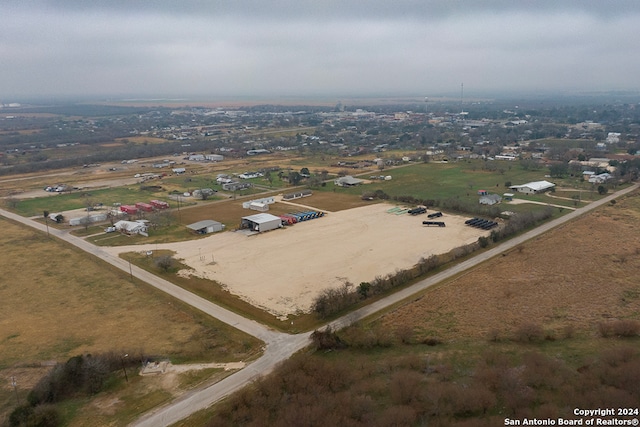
(261, 222)
(206, 226)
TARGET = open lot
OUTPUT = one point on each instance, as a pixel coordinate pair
(283, 270)
(584, 273)
(57, 302)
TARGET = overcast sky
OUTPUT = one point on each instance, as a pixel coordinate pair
(187, 48)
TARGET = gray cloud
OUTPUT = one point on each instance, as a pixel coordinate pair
(187, 48)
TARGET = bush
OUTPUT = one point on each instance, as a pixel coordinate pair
(165, 262)
(529, 332)
(623, 328)
(326, 339)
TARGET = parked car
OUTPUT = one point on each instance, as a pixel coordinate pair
(109, 229)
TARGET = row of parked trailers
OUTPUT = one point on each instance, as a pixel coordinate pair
(485, 224)
(145, 207)
(293, 218)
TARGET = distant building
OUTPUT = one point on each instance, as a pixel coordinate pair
(347, 181)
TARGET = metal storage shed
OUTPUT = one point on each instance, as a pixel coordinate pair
(261, 222)
(206, 226)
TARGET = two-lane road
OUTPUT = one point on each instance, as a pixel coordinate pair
(279, 346)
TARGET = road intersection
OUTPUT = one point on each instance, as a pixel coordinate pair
(278, 346)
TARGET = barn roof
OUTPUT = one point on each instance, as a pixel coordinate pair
(261, 218)
(536, 185)
(202, 224)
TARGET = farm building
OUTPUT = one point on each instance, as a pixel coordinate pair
(206, 226)
(178, 170)
(291, 196)
(131, 227)
(261, 222)
(88, 219)
(261, 205)
(234, 186)
(490, 199)
(203, 193)
(348, 181)
(534, 187)
(214, 157)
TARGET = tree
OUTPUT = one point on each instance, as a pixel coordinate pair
(165, 262)
(304, 171)
(558, 170)
(602, 190)
(295, 178)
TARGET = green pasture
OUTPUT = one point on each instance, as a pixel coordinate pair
(80, 199)
(446, 180)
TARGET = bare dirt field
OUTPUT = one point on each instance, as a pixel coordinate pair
(281, 271)
(577, 276)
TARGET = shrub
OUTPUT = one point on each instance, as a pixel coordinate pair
(529, 332)
(165, 262)
(326, 339)
(623, 328)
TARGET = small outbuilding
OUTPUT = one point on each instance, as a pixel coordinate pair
(261, 222)
(206, 226)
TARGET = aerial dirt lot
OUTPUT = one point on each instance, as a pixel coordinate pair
(576, 276)
(281, 271)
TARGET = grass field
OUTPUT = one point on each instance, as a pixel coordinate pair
(446, 180)
(80, 199)
(575, 277)
(57, 302)
(567, 282)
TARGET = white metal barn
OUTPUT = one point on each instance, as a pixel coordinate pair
(261, 222)
(533, 187)
(206, 226)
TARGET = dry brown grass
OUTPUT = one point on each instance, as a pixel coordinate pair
(573, 277)
(57, 302)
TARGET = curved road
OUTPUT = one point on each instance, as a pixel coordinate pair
(279, 346)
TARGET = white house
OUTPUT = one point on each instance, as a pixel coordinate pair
(600, 178)
(131, 227)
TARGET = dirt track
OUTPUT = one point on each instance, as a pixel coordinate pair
(283, 270)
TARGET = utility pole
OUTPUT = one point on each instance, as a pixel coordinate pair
(46, 218)
(14, 384)
(123, 368)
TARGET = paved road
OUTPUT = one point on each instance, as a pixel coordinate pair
(279, 346)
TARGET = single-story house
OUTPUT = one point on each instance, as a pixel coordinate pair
(347, 181)
(131, 227)
(490, 199)
(235, 185)
(600, 178)
(261, 222)
(206, 226)
(534, 187)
